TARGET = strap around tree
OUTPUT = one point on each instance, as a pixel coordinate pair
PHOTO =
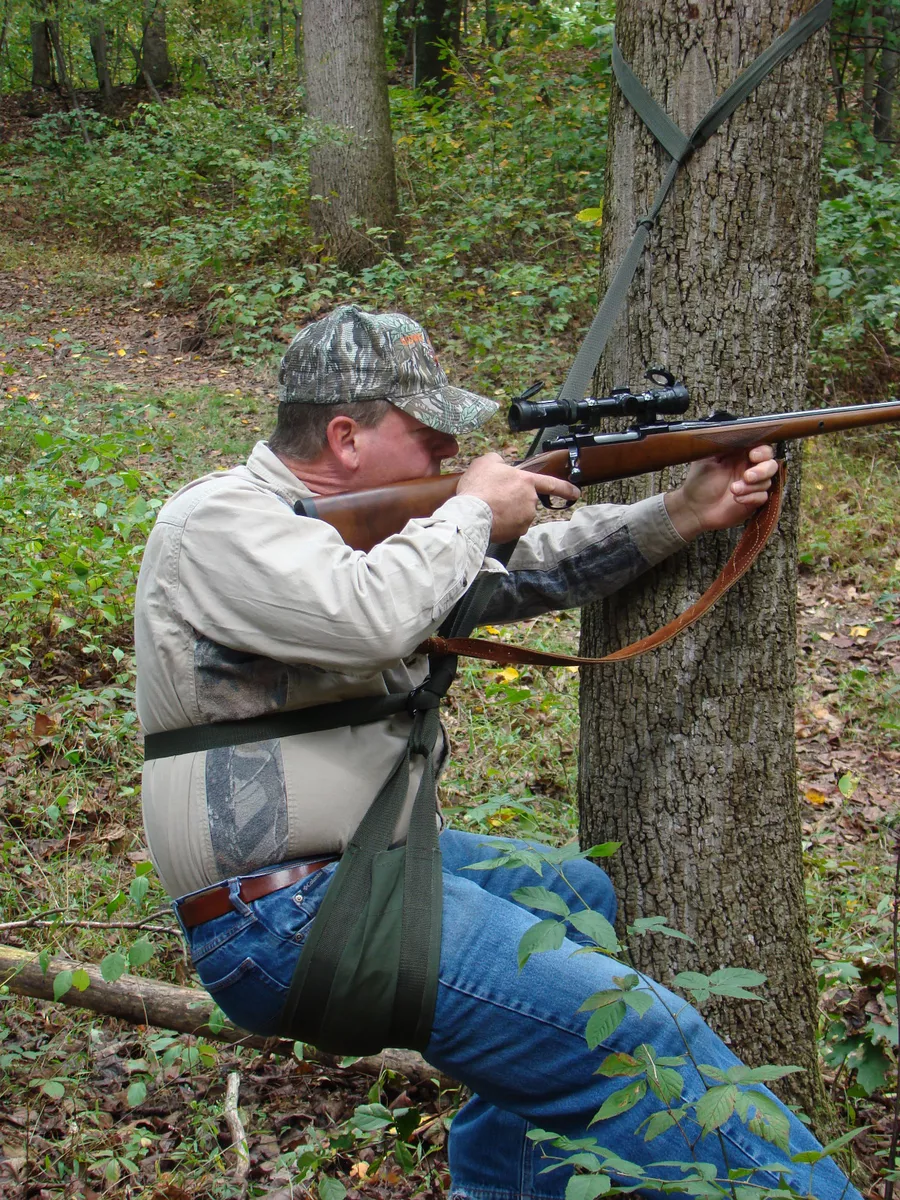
(680, 147)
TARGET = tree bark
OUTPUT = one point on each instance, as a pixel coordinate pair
(298, 40)
(99, 52)
(155, 64)
(167, 1006)
(437, 22)
(886, 86)
(869, 55)
(352, 178)
(687, 756)
(41, 55)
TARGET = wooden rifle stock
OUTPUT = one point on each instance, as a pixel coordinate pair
(365, 518)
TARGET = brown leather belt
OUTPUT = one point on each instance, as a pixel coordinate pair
(216, 901)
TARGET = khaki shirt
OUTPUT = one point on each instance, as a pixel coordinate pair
(244, 608)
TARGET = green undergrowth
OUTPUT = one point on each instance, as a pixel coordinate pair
(850, 544)
(211, 201)
(851, 511)
(856, 320)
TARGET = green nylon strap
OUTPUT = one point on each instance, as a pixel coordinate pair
(654, 117)
(193, 738)
(420, 940)
(680, 147)
(348, 893)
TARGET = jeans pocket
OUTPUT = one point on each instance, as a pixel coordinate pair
(288, 913)
(248, 995)
(212, 935)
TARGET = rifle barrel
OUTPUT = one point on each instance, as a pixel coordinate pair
(365, 518)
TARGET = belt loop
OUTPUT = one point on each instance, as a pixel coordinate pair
(234, 895)
(176, 904)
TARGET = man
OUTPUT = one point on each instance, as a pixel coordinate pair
(245, 608)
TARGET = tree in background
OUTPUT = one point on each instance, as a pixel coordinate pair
(427, 27)
(41, 50)
(865, 41)
(687, 755)
(100, 54)
(155, 66)
(351, 168)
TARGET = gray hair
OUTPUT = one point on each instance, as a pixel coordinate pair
(301, 429)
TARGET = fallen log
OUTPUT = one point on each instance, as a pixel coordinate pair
(179, 1009)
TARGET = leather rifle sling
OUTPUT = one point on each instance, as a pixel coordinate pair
(757, 533)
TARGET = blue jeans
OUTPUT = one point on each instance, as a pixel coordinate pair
(514, 1037)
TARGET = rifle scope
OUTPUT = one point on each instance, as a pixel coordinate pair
(537, 414)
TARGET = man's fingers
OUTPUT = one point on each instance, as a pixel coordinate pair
(760, 453)
(752, 499)
(549, 485)
(756, 477)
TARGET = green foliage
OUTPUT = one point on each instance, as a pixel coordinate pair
(725, 1094)
(74, 522)
(214, 194)
(209, 191)
(858, 285)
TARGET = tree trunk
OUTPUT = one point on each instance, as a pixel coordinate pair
(298, 40)
(869, 55)
(65, 82)
(167, 1006)
(687, 756)
(491, 25)
(351, 166)
(155, 63)
(4, 29)
(99, 50)
(883, 125)
(837, 83)
(437, 22)
(266, 49)
(41, 55)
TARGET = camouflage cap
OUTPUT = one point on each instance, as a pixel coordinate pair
(352, 355)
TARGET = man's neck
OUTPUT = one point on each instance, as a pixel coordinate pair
(321, 475)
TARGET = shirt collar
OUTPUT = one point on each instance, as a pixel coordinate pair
(267, 466)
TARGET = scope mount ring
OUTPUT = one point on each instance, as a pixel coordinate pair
(661, 376)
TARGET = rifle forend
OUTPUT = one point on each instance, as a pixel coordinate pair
(365, 518)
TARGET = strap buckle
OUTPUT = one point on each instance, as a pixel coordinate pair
(412, 700)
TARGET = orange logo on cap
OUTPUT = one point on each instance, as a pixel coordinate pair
(411, 339)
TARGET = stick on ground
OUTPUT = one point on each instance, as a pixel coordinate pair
(181, 1009)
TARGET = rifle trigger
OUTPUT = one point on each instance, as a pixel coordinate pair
(575, 476)
(547, 502)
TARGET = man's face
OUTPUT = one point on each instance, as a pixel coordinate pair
(400, 447)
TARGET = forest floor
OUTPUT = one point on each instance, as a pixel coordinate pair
(66, 340)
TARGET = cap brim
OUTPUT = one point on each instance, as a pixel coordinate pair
(448, 409)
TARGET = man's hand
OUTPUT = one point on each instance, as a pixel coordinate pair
(721, 492)
(512, 494)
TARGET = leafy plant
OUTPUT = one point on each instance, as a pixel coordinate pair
(727, 1092)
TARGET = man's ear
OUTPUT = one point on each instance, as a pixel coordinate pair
(343, 441)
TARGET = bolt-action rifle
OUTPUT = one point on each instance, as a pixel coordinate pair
(583, 456)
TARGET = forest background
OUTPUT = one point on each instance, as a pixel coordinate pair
(159, 250)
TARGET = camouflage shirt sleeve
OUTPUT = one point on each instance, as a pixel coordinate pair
(565, 564)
